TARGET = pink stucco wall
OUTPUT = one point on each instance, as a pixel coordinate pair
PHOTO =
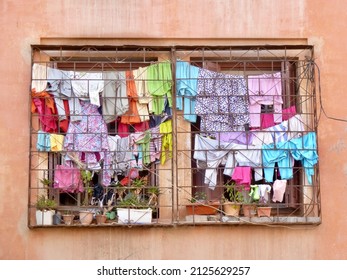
(318, 22)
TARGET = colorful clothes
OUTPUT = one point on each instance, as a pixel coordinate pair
(221, 102)
(89, 138)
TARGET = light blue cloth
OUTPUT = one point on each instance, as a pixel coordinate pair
(186, 88)
(305, 150)
(302, 149)
(43, 141)
(280, 154)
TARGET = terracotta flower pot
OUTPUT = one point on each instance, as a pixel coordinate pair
(68, 219)
(264, 211)
(86, 217)
(249, 210)
(231, 209)
(207, 208)
(100, 219)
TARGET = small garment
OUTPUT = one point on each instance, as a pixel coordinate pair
(57, 142)
(284, 131)
(186, 89)
(255, 192)
(264, 192)
(121, 153)
(289, 112)
(54, 78)
(237, 137)
(266, 120)
(87, 86)
(59, 85)
(221, 102)
(296, 126)
(144, 141)
(67, 179)
(132, 115)
(159, 85)
(264, 89)
(43, 141)
(210, 154)
(242, 175)
(141, 127)
(280, 154)
(64, 122)
(123, 129)
(144, 97)
(89, 139)
(155, 144)
(305, 149)
(43, 104)
(165, 130)
(114, 96)
(279, 188)
(245, 155)
(136, 149)
(39, 77)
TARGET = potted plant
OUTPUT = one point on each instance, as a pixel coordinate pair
(249, 208)
(68, 217)
(86, 214)
(45, 209)
(104, 212)
(232, 199)
(263, 208)
(134, 205)
(200, 205)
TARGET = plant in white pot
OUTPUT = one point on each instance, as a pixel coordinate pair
(135, 206)
(45, 209)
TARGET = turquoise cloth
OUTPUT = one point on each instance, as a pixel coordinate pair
(186, 89)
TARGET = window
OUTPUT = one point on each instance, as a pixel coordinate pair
(150, 135)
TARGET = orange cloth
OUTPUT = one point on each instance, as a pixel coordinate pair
(132, 115)
(49, 100)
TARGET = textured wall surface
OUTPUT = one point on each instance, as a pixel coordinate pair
(318, 22)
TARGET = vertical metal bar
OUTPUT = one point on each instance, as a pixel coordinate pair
(174, 173)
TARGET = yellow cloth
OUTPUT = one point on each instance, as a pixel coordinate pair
(57, 141)
(165, 129)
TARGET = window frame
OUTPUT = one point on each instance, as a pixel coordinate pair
(229, 57)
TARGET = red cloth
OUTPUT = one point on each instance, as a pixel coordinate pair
(288, 113)
(64, 124)
(266, 120)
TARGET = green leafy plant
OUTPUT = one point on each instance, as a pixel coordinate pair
(153, 192)
(44, 203)
(68, 212)
(46, 182)
(199, 197)
(233, 192)
(134, 193)
(87, 177)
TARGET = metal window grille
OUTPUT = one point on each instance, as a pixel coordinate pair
(110, 96)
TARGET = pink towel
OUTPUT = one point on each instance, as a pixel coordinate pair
(242, 175)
